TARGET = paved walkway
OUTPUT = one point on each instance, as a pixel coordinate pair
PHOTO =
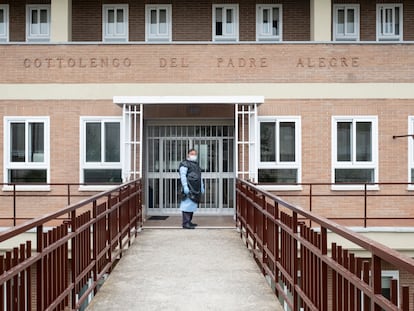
(176, 269)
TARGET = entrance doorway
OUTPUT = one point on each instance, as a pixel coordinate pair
(167, 146)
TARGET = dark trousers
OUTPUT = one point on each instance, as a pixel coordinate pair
(187, 217)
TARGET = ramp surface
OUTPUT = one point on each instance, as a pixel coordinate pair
(176, 269)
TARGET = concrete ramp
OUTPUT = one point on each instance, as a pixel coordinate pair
(176, 269)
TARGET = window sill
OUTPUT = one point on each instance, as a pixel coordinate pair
(27, 188)
(280, 187)
(410, 188)
(97, 188)
(354, 187)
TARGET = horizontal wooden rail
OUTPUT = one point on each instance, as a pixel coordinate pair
(295, 256)
(72, 258)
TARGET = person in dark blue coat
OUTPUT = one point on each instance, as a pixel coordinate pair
(192, 188)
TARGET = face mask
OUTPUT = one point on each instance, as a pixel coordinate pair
(192, 158)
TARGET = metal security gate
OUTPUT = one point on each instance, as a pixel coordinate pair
(167, 146)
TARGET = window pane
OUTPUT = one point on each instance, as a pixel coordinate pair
(111, 16)
(36, 142)
(43, 16)
(397, 21)
(412, 175)
(282, 176)
(34, 26)
(275, 26)
(120, 15)
(93, 142)
(27, 176)
(153, 21)
(363, 141)
(229, 21)
(112, 142)
(102, 176)
(219, 21)
(266, 25)
(354, 175)
(163, 21)
(120, 22)
(344, 141)
(1, 16)
(34, 17)
(17, 139)
(267, 142)
(340, 27)
(287, 141)
(350, 22)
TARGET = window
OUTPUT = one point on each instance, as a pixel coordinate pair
(354, 149)
(4, 23)
(158, 22)
(115, 23)
(226, 22)
(26, 154)
(268, 22)
(389, 22)
(279, 159)
(346, 22)
(38, 23)
(101, 150)
(411, 152)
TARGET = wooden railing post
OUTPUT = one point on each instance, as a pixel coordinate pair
(39, 269)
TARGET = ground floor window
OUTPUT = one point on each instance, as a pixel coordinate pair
(411, 151)
(280, 154)
(354, 149)
(26, 150)
(101, 150)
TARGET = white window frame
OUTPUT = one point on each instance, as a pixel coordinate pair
(37, 37)
(410, 151)
(102, 164)
(353, 164)
(393, 274)
(5, 37)
(8, 164)
(392, 36)
(280, 164)
(158, 37)
(108, 37)
(346, 36)
(260, 36)
(226, 37)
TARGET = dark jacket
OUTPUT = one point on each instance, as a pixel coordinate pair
(193, 180)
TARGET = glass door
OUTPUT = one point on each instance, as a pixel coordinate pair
(166, 148)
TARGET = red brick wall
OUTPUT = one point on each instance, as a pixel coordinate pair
(194, 23)
(368, 17)
(189, 22)
(17, 21)
(208, 63)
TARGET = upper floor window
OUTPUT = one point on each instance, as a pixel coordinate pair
(279, 160)
(346, 22)
(355, 149)
(101, 150)
(4, 23)
(115, 22)
(38, 23)
(389, 22)
(268, 22)
(225, 22)
(26, 152)
(158, 22)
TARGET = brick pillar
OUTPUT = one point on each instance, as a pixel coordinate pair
(321, 20)
(61, 21)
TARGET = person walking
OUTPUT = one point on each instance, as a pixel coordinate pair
(192, 188)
